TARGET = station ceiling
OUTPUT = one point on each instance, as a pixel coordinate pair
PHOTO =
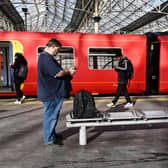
(117, 16)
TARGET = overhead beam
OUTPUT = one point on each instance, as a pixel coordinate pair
(147, 18)
(78, 15)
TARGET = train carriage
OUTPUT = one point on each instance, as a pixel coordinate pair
(94, 55)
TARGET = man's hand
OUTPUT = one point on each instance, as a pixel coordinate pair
(72, 71)
(68, 71)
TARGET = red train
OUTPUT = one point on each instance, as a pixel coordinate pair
(94, 55)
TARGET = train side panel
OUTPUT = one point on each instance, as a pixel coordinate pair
(163, 65)
(105, 81)
(31, 45)
(31, 41)
(98, 81)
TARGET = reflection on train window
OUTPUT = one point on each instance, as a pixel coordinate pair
(65, 57)
(103, 58)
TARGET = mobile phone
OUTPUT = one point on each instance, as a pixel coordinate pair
(74, 68)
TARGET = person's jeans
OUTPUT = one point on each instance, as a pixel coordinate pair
(51, 115)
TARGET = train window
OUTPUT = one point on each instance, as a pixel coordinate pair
(103, 58)
(65, 57)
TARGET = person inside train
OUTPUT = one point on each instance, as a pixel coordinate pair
(52, 89)
(19, 62)
(121, 69)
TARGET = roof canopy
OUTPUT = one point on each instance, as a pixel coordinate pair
(117, 16)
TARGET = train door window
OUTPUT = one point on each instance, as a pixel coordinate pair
(103, 58)
(65, 57)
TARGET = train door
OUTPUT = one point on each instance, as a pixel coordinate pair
(152, 64)
(5, 70)
(7, 52)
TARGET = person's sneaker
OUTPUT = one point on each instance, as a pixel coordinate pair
(17, 102)
(110, 105)
(22, 99)
(128, 105)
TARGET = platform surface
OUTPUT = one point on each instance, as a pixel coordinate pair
(21, 138)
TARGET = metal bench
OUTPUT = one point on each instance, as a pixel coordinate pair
(134, 117)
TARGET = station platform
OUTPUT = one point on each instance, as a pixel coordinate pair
(124, 146)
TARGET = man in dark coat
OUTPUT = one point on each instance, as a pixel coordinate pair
(53, 85)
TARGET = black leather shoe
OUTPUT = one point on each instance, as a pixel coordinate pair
(58, 142)
(59, 136)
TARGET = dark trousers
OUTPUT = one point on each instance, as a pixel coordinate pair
(122, 88)
(19, 93)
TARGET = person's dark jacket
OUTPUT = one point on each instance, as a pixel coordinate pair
(67, 85)
(17, 64)
(122, 69)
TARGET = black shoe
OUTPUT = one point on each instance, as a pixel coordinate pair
(59, 136)
(58, 142)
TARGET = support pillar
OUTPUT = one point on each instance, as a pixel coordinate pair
(96, 17)
(82, 136)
